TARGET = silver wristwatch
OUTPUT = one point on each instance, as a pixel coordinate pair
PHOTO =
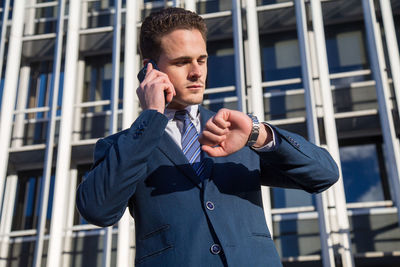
(255, 130)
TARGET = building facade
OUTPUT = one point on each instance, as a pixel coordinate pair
(326, 69)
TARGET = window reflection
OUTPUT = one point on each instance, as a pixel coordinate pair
(362, 173)
(288, 198)
(346, 49)
(26, 207)
(210, 6)
(280, 57)
(221, 65)
(40, 95)
(295, 238)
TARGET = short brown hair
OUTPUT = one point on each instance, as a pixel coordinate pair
(160, 23)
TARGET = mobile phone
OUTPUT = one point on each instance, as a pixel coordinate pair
(143, 71)
(142, 74)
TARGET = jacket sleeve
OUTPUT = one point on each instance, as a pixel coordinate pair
(120, 161)
(297, 163)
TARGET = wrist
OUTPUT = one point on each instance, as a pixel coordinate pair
(260, 134)
(255, 131)
(264, 137)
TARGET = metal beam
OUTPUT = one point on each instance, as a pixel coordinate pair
(10, 87)
(239, 58)
(392, 47)
(331, 133)
(130, 112)
(328, 259)
(64, 143)
(4, 23)
(379, 73)
(190, 5)
(256, 97)
(48, 160)
(114, 110)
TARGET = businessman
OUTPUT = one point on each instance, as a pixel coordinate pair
(191, 178)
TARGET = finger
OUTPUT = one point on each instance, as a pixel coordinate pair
(210, 139)
(220, 119)
(149, 67)
(214, 151)
(153, 74)
(215, 129)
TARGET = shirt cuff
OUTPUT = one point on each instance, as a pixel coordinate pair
(272, 145)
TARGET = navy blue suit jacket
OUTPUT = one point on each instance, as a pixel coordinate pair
(142, 168)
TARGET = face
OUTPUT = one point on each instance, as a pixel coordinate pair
(184, 60)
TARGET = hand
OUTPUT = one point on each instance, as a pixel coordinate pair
(151, 90)
(228, 132)
(225, 133)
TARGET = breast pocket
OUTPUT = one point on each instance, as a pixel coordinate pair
(154, 246)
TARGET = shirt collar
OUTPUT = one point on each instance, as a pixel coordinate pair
(192, 110)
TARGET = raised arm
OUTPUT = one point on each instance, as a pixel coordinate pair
(293, 163)
(120, 161)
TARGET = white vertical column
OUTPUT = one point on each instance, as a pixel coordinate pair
(190, 5)
(239, 58)
(328, 259)
(130, 112)
(4, 24)
(48, 161)
(64, 143)
(10, 87)
(378, 66)
(6, 217)
(78, 99)
(107, 245)
(23, 86)
(70, 211)
(256, 98)
(392, 47)
(330, 132)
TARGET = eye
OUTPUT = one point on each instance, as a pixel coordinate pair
(180, 63)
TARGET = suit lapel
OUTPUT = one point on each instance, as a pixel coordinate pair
(174, 154)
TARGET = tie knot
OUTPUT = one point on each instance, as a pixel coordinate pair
(181, 115)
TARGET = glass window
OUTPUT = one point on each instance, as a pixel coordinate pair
(288, 198)
(40, 95)
(97, 86)
(375, 232)
(1, 91)
(20, 253)
(346, 48)
(362, 168)
(99, 13)
(46, 19)
(26, 207)
(210, 6)
(97, 81)
(221, 64)
(280, 57)
(295, 238)
(268, 2)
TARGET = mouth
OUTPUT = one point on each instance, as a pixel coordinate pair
(195, 86)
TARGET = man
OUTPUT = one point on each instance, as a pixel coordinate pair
(199, 209)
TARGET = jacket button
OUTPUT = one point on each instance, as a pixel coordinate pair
(210, 205)
(215, 249)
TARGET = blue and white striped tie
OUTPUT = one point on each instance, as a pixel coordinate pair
(190, 143)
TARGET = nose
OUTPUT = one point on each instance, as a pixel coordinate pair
(195, 71)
